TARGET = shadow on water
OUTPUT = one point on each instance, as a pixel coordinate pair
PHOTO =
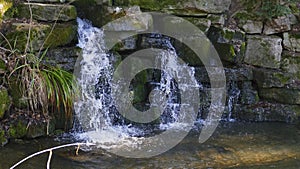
(233, 145)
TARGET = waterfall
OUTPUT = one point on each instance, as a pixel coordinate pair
(234, 93)
(95, 107)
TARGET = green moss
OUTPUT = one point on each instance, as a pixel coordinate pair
(17, 130)
(5, 5)
(3, 139)
(283, 79)
(2, 65)
(4, 102)
(61, 35)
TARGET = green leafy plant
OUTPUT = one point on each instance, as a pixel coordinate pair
(46, 88)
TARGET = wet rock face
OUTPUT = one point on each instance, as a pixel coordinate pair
(264, 51)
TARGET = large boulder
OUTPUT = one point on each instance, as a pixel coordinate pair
(264, 51)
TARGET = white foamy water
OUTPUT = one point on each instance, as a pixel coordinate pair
(95, 107)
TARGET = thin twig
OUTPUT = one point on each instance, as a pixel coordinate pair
(49, 159)
(50, 149)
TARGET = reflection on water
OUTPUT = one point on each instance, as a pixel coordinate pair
(233, 145)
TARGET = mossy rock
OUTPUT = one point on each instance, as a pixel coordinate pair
(16, 94)
(17, 129)
(180, 7)
(47, 12)
(4, 101)
(3, 139)
(281, 95)
(41, 35)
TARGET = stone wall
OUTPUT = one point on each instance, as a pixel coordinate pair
(261, 55)
(259, 49)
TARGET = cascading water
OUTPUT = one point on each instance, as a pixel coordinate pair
(234, 94)
(96, 109)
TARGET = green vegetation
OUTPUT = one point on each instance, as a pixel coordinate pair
(266, 9)
(44, 88)
(17, 130)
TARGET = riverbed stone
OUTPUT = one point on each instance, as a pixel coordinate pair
(47, 12)
(291, 41)
(264, 51)
(42, 36)
(281, 95)
(278, 25)
(268, 78)
(5, 101)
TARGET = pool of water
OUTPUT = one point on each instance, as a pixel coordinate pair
(233, 145)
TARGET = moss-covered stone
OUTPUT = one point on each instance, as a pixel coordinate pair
(281, 95)
(17, 130)
(41, 35)
(265, 111)
(47, 12)
(180, 7)
(40, 129)
(264, 51)
(291, 41)
(3, 139)
(4, 101)
(266, 78)
(230, 44)
(291, 62)
(16, 94)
